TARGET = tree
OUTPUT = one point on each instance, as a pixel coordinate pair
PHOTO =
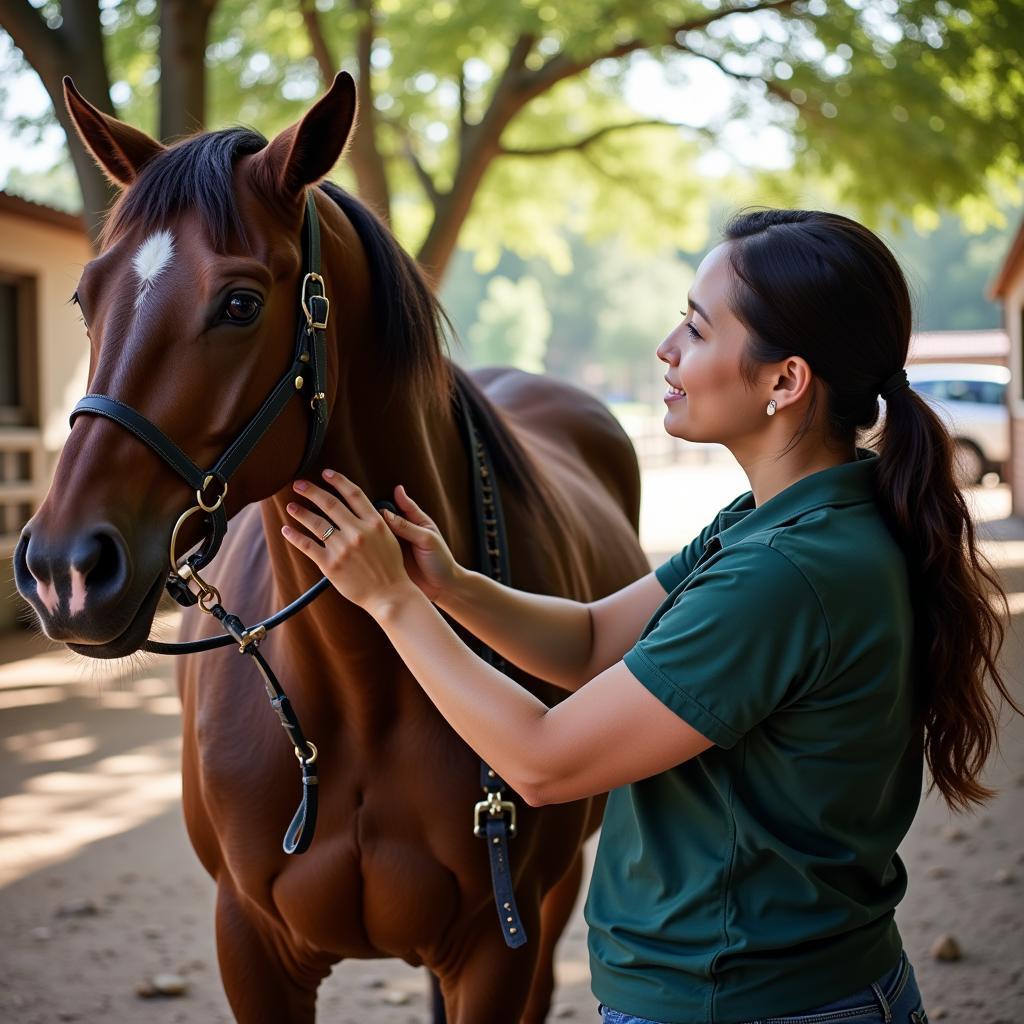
(480, 115)
(68, 39)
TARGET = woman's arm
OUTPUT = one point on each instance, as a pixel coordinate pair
(563, 641)
(611, 732)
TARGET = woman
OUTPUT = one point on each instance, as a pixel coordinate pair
(761, 705)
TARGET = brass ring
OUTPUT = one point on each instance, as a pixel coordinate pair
(302, 757)
(217, 504)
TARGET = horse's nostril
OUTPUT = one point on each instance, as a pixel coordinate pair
(100, 558)
(108, 562)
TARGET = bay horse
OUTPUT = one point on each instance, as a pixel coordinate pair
(191, 309)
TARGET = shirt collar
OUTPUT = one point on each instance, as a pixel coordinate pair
(848, 484)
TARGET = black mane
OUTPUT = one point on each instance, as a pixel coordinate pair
(195, 174)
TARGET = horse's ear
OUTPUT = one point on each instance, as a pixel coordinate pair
(305, 152)
(118, 148)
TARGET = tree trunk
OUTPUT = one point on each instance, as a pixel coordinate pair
(184, 25)
(75, 49)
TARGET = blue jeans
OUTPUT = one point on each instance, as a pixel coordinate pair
(893, 999)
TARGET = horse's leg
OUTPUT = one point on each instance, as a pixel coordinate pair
(555, 912)
(491, 982)
(260, 986)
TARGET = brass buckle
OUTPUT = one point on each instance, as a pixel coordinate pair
(310, 322)
(495, 807)
(252, 636)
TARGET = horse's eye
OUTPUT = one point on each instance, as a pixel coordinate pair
(242, 307)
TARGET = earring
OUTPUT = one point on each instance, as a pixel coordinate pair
(772, 407)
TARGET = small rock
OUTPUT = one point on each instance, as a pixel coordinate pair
(938, 871)
(953, 833)
(945, 947)
(162, 985)
(67, 1015)
(938, 1013)
(1003, 877)
(375, 982)
(78, 908)
(152, 932)
(565, 1011)
(396, 998)
(42, 934)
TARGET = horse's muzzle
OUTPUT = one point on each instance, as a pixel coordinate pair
(85, 589)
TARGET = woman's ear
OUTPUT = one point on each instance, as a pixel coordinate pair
(119, 149)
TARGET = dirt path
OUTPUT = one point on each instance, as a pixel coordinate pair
(99, 889)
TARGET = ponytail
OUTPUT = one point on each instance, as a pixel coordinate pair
(824, 287)
(958, 630)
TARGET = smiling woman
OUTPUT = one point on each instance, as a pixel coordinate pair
(762, 705)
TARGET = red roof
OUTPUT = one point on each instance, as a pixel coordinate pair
(20, 207)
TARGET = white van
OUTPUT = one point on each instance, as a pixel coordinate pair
(971, 397)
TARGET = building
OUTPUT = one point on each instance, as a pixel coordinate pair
(1008, 288)
(44, 362)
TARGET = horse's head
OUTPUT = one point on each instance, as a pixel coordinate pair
(192, 308)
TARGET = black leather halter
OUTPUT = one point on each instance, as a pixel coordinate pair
(494, 818)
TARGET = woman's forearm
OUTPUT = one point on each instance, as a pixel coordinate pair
(549, 637)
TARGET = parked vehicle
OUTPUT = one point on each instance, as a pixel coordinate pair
(971, 397)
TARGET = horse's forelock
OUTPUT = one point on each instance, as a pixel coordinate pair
(194, 174)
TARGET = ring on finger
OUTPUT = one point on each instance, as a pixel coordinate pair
(327, 533)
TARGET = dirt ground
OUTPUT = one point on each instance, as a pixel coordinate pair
(100, 891)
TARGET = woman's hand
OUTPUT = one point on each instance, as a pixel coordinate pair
(428, 560)
(360, 556)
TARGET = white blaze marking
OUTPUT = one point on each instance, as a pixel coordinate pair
(77, 592)
(154, 254)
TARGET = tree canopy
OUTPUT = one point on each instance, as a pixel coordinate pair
(500, 123)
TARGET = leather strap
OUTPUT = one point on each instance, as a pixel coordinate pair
(492, 557)
(501, 879)
(303, 824)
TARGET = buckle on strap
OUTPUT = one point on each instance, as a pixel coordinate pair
(494, 807)
(313, 321)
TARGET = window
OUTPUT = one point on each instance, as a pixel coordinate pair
(21, 453)
(17, 352)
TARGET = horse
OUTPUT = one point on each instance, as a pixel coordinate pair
(190, 307)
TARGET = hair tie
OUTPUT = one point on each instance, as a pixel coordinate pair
(897, 382)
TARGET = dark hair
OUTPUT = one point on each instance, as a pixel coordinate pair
(824, 287)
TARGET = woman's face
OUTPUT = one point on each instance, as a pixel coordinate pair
(703, 359)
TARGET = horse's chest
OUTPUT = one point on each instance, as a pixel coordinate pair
(393, 861)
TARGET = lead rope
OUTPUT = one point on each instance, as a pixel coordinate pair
(494, 817)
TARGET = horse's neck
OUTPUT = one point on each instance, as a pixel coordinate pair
(378, 449)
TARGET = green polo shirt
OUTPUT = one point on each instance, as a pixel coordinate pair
(760, 878)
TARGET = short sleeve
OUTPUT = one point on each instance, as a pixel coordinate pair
(747, 635)
(671, 573)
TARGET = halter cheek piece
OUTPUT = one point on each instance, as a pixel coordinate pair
(494, 817)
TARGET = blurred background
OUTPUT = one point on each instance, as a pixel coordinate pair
(559, 169)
